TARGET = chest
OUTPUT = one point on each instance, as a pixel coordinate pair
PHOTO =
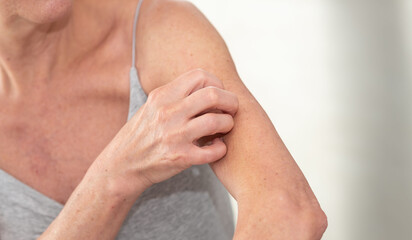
(49, 142)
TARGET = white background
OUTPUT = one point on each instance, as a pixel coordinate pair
(334, 76)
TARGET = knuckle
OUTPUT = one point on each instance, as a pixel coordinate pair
(176, 156)
(181, 158)
(212, 95)
(219, 83)
(200, 74)
(171, 110)
(163, 114)
(203, 75)
(167, 112)
(153, 95)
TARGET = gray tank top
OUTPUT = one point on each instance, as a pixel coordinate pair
(191, 205)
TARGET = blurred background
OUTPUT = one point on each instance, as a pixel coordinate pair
(335, 78)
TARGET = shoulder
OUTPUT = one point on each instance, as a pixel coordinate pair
(174, 37)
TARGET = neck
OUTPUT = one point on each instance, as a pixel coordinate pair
(27, 51)
(31, 53)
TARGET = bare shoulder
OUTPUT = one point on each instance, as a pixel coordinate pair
(174, 37)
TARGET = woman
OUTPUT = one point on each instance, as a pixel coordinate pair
(73, 166)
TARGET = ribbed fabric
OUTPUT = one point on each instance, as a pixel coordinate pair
(191, 205)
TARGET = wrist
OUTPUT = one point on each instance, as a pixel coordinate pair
(118, 184)
(97, 203)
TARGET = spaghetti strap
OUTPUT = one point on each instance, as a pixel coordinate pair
(136, 17)
(137, 96)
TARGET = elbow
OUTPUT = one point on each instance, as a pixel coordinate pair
(306, 218)
(281, 215)
(314, 222)
(305, 212)
(319, 223)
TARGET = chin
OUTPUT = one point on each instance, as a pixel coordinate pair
(43, 11)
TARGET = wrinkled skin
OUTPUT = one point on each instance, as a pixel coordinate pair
(161, 139)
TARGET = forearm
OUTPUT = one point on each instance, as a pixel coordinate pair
(275, 201)
(95, 210)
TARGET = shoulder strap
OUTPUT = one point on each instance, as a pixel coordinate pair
(137, 96)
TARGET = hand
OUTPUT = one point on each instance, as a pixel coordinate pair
(161, 139)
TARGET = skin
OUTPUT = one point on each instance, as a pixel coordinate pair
(84, 46)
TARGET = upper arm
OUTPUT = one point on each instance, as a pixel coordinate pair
(176, 38)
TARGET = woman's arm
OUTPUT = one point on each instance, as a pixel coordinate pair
(274, 198)
(95, 210)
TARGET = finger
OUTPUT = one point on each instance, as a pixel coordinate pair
(209, 124)
(210, 153)
(190, 82)
(210, 98)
